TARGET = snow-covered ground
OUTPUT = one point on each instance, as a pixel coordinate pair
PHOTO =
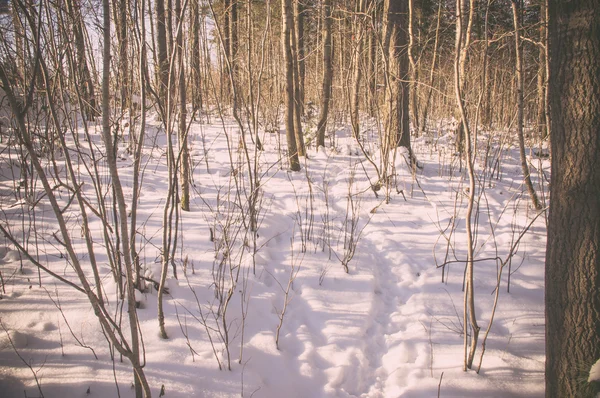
(390, 327)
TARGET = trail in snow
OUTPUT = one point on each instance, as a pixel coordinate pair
(387, 329)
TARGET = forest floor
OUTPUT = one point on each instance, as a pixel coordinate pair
(390, 327)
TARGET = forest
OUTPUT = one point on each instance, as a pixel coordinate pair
(299, 198)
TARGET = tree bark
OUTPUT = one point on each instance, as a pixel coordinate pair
(298, 107)
(573, 245)
(163, 59)
(358, 34)
(397, 94)
(286, 45)
(327, 73)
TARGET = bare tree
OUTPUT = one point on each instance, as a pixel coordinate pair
(286, 44)
(469, 316)
(519, 74)
(358, 43)
(327, 72)
(397, 97)
(85, 77)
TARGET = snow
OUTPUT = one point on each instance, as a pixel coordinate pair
(594, 372)
(390, 327)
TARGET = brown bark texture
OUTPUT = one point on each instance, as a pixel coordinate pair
(573, 246)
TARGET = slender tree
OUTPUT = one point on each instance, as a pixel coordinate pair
(196, 59)
(358, 43)
(286, 46)
(573, 245)
(85, 77)
(184, 157)
(163, 58)
(327, 72)
(519, 74)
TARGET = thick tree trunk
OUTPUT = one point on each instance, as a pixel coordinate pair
(298, 107)
(397, 94)
(573, 248)
(327, 73)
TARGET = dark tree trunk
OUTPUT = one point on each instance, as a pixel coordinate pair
(358, 40)
(572, 257)
(286, 44)
(327, 73)
(163, 61)
(398, 93)
(298, 107)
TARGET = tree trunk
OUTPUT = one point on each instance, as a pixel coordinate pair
(397, 92)
(541, 76)
(141, 385)
(233, 50)
(195, 55)
(286, 46)
(297, 95)
(573, 246)
(469, 318)
(414, 73)
(122, 37)
(299, 32)
(225, 85)
(163, 60)
(183, 141)
(519, 74)
(372, 67)
(358, 35)
(327, 73)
